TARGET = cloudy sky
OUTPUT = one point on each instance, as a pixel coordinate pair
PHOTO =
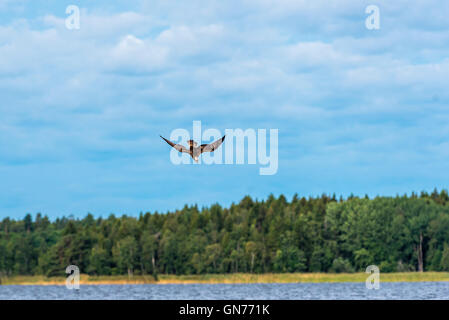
(358, 110)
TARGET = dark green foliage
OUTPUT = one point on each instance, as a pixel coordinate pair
(305, 235)
(340, 265)
(444, 264)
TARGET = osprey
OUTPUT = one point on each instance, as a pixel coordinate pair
(193, 149)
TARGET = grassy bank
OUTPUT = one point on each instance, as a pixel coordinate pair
(232, 278)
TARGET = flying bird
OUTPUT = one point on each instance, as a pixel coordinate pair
(193, 148)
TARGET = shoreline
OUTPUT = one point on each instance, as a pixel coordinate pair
(233, 278)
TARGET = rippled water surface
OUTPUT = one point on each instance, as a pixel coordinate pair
(272, 291)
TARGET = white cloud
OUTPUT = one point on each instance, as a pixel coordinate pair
(134, 54)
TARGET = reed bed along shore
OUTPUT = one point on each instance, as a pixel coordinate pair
(230, 278)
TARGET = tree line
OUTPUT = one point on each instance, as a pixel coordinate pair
(314, 234)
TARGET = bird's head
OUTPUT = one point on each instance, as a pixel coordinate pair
(192, 143)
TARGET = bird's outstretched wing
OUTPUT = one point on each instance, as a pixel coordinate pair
(178, 147)
(212, 146)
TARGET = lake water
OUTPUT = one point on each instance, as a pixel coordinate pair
(272, 291)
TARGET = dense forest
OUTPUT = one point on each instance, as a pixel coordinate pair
(315, 234)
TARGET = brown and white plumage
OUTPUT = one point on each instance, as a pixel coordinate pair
(193, 148)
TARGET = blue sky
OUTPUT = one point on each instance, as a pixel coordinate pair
(358, 110)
